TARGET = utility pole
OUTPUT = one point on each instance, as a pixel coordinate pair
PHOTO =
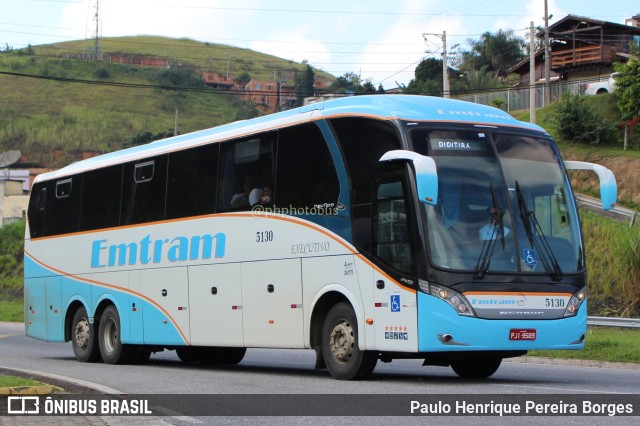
(532, 75)
(445, 69)
(446, 91)
(175, 124)
(547, 57)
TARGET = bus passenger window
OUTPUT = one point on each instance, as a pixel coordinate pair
(363, 142)
(306, 176)
(37, 206)
(191, 185)
(65, 212)
(101, 198)
(246, 172)
(144, 191)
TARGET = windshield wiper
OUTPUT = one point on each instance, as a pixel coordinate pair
(496, 227)
(536, 237)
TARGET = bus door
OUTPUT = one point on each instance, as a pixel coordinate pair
(393, 231)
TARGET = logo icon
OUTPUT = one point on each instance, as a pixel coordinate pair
(395, 303)
(23, 405)
(530, 257)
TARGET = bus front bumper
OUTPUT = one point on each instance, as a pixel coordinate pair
(441, 329)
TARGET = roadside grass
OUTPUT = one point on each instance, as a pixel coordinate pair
(7, 381)
(603, 344)
(12, 310)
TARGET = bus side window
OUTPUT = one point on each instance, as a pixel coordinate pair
(64, 216)
(392, 241)
(101, 198)
(37, 210)
(363, 141)
(144, 190)
(191, 185)
(246, 172)
(306, 175)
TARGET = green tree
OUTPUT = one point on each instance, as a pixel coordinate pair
(428, 78)
(577, 122)
(351, 82)
(304, 82)
(243, 78)
(628, 88)
(11, 260)
(479, 80)
(498, 52)
(180, 77)
(146, 137)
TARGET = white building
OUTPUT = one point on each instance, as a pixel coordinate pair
(13, 200)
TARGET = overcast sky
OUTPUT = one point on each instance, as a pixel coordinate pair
(381, 40)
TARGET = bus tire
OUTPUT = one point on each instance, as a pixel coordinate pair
(476, 367)
(188, 354)
(111, 347)
(342, 356)
(221, 356)
(84, 337)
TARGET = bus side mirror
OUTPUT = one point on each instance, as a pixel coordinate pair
(608, 187)
(426, 173)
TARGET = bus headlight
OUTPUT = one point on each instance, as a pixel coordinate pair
(455, 299)
(575, 302)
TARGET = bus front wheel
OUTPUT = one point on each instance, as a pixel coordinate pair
(343, 357)
(111, 347)
(476, 367)
(83, 337)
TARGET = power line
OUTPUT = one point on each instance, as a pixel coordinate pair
(303, 11)
(141, 85)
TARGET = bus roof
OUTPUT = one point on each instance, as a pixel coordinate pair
(387, 107)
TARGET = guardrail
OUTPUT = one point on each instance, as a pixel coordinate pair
(595, 204)
(614, 322)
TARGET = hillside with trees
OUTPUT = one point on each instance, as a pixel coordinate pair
(58, 101)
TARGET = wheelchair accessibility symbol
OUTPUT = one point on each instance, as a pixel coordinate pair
(529, 256)
(395, 303)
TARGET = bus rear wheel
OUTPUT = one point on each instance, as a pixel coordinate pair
(343, 357)
(476, 367)
(84, 338)
(111, 347)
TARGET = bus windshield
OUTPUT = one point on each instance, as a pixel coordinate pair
(504, 204)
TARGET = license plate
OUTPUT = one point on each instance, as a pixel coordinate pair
(522, 334)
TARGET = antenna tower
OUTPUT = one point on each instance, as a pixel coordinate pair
(96, 37)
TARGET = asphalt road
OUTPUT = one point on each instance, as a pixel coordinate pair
(269, 372)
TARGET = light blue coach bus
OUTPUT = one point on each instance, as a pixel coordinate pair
(366, 228)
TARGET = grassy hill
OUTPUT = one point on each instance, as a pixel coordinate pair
(48, 119)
